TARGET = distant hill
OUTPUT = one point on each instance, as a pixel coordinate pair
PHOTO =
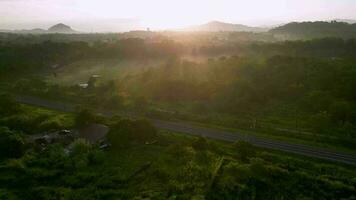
(33, 31)
(349, 21)
(216, 26)
(58, 28)
(61, 28)
(319, 29)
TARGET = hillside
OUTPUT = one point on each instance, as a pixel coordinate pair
(61, 28)
(58, 28)
(216, 26)
(349, 21)
(310, 30)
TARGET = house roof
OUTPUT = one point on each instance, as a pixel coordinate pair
(93, 133)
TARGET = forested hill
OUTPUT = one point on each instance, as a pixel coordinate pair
(310, 30)
(216, 26)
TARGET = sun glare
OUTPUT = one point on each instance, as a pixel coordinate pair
(161, 14)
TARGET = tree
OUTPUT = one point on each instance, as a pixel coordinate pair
(12, 144)
(85, 117)
(119, 134)
(144, 131)
(341, 111)
(8, 105)
(320, 122)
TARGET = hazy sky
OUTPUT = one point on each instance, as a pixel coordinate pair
(113, 15)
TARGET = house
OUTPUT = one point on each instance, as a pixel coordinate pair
(93, 133)
(63, 136)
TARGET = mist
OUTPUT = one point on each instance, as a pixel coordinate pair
(113, 16)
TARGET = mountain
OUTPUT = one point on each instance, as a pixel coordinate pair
(61, 28)
(216, 26)
(349, 21)
(318, 29)
(58, 28)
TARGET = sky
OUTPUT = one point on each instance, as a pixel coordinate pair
(120, 15)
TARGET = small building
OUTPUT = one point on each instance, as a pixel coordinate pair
(83, 85)
(63, 136)
(93, 133)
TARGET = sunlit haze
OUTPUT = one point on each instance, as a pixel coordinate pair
(116, 15)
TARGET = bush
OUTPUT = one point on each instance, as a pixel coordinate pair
(85, 117)
(96, 157)
(200, 144)
(144, 131)
(50, 124)
(245, 150)
(320, 122)
(119, 134)
(179, 153)
(25, 122)
(12, 144)
(54, 157)
(8, 105)
(80, 153)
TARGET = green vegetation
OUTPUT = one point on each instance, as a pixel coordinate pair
(11, 143)
(310, 30)
(31, 120)
(125, 132)
(298, 91)
(143, 163)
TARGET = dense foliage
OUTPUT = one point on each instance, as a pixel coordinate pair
(318, 90)
(143, 163)
(21, 58)
(300, 91)
(291, 86)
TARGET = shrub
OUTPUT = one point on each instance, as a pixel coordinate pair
(26, 122)
(245, 150)
(200, 144)
(320, 122)
(50, 124)
(144, 130)
(96, 157)
(119, 134)
(8, 105)
(12, 144)
(80, 153)
(85, 117)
